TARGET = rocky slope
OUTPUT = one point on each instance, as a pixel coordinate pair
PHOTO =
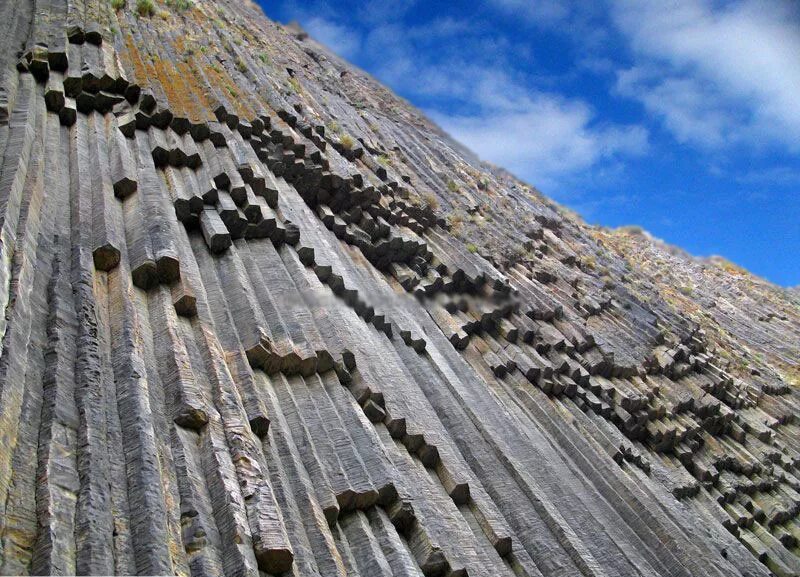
(261, 316)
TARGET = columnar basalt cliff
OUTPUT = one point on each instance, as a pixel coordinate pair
(261, 316)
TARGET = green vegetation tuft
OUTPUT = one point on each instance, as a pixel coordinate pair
(455, 218)
(347, 141)
(295, 85)
(145, 8)
(431, 200)
(118, 4)
(452, 186)
(179, 5)
(472, 248)
(455, 221)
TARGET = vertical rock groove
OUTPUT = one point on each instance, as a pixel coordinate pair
(260, 316)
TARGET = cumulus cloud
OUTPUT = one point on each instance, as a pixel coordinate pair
(542, 137)
(689, 108)
(340, 39)
(484, 103)
(468, 80)
(716, 75)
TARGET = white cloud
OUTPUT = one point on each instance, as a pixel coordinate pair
(468, 79)
(340, 39)
(581, 20)
(770, 177)
(716, 75)
(539, 136)
(688, 108)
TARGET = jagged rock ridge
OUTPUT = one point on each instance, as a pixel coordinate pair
(260, 316)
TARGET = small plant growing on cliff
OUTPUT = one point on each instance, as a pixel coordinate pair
(589, 262)
(472, 248)
(455, 218)
(240, 65)
(431, 200)
(118, 4)
(179, 5)
(145, 8)
(295, 85)
(346, 141)
(383, 160)
(456, 222)
(452, 186)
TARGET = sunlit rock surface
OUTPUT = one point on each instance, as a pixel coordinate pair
(261, 316)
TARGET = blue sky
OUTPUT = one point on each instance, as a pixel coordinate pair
(682, 117)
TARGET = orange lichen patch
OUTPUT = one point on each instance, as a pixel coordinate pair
(225, 84)
(185, 83)
(180, 89)
(199, 18)
(179, 45)
(132, 60)
(175, 89)
(155, 74)
(171, 86)
(733, 269)
(201, 110)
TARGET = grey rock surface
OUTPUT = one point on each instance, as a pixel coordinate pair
(260, 316)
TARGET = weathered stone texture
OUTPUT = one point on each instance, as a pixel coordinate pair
(261, 316)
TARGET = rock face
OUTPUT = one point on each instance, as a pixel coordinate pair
(261, 316)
